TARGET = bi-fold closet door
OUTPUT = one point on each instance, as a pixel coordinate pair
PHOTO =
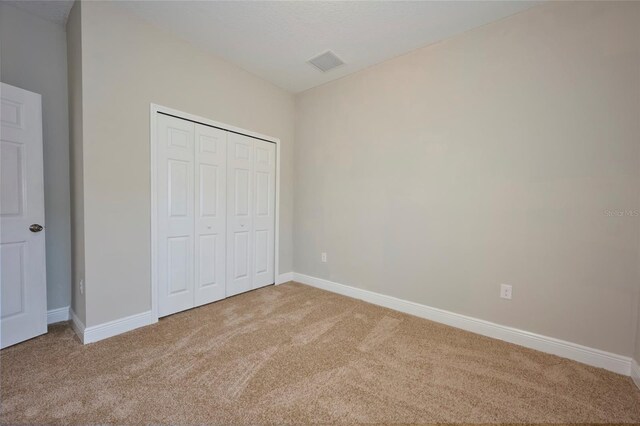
(216, 214)
(250, 213)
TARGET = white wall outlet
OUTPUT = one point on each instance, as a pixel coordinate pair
(505, 291)
(81, 286)
(324, 257)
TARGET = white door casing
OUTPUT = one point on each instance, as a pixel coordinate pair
(23, 305)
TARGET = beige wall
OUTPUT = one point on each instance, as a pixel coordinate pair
(492, 157)
(34, 57)
(636, 352)
(126, 65)
(74, 61)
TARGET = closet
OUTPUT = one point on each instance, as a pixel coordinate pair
(215, 213)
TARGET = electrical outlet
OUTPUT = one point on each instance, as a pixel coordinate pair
(324, 257)
(505, 291)
(81, 286)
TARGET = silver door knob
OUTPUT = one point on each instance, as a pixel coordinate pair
(35, 228)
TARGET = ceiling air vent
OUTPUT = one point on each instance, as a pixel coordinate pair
(326, 61)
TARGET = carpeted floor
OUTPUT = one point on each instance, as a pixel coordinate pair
(295, 354)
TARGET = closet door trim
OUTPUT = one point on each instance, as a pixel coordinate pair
(154, 110)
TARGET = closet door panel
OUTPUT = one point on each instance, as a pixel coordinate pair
(239, 219)
(175, 156)
(210, 213)
(216, 214)
(264, 196)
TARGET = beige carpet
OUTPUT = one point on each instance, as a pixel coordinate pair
(294, 354)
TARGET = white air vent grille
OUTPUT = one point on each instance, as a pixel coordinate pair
(326, 61)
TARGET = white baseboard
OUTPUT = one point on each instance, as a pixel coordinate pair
(58, 315)
(595, 357)
(635, 372)
(284, 278)
(122, 325)
(119, 326)
(77, 325)
(111, 328)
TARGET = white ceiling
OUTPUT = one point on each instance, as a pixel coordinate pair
(274, 39)
(52, 10)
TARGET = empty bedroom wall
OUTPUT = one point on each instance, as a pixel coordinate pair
(636, 353)
(74, 67)
(34, 58)
(503, 155)
(635, 364)
(126, 65)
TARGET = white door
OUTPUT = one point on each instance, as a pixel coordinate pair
(192, 176)
(240, 238)
(264, 212)
(176, 224)
(211, 213)
(23, 305)
(216, 213)
(251, 187)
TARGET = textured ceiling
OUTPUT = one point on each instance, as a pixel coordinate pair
(52, 10)
(274, 39)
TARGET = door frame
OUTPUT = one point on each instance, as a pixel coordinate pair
(154, 109)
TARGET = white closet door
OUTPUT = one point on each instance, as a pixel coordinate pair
(23, 295)
(264, 196)
(210, 210)
(216, 214)
(240, 238)
(175, 148)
